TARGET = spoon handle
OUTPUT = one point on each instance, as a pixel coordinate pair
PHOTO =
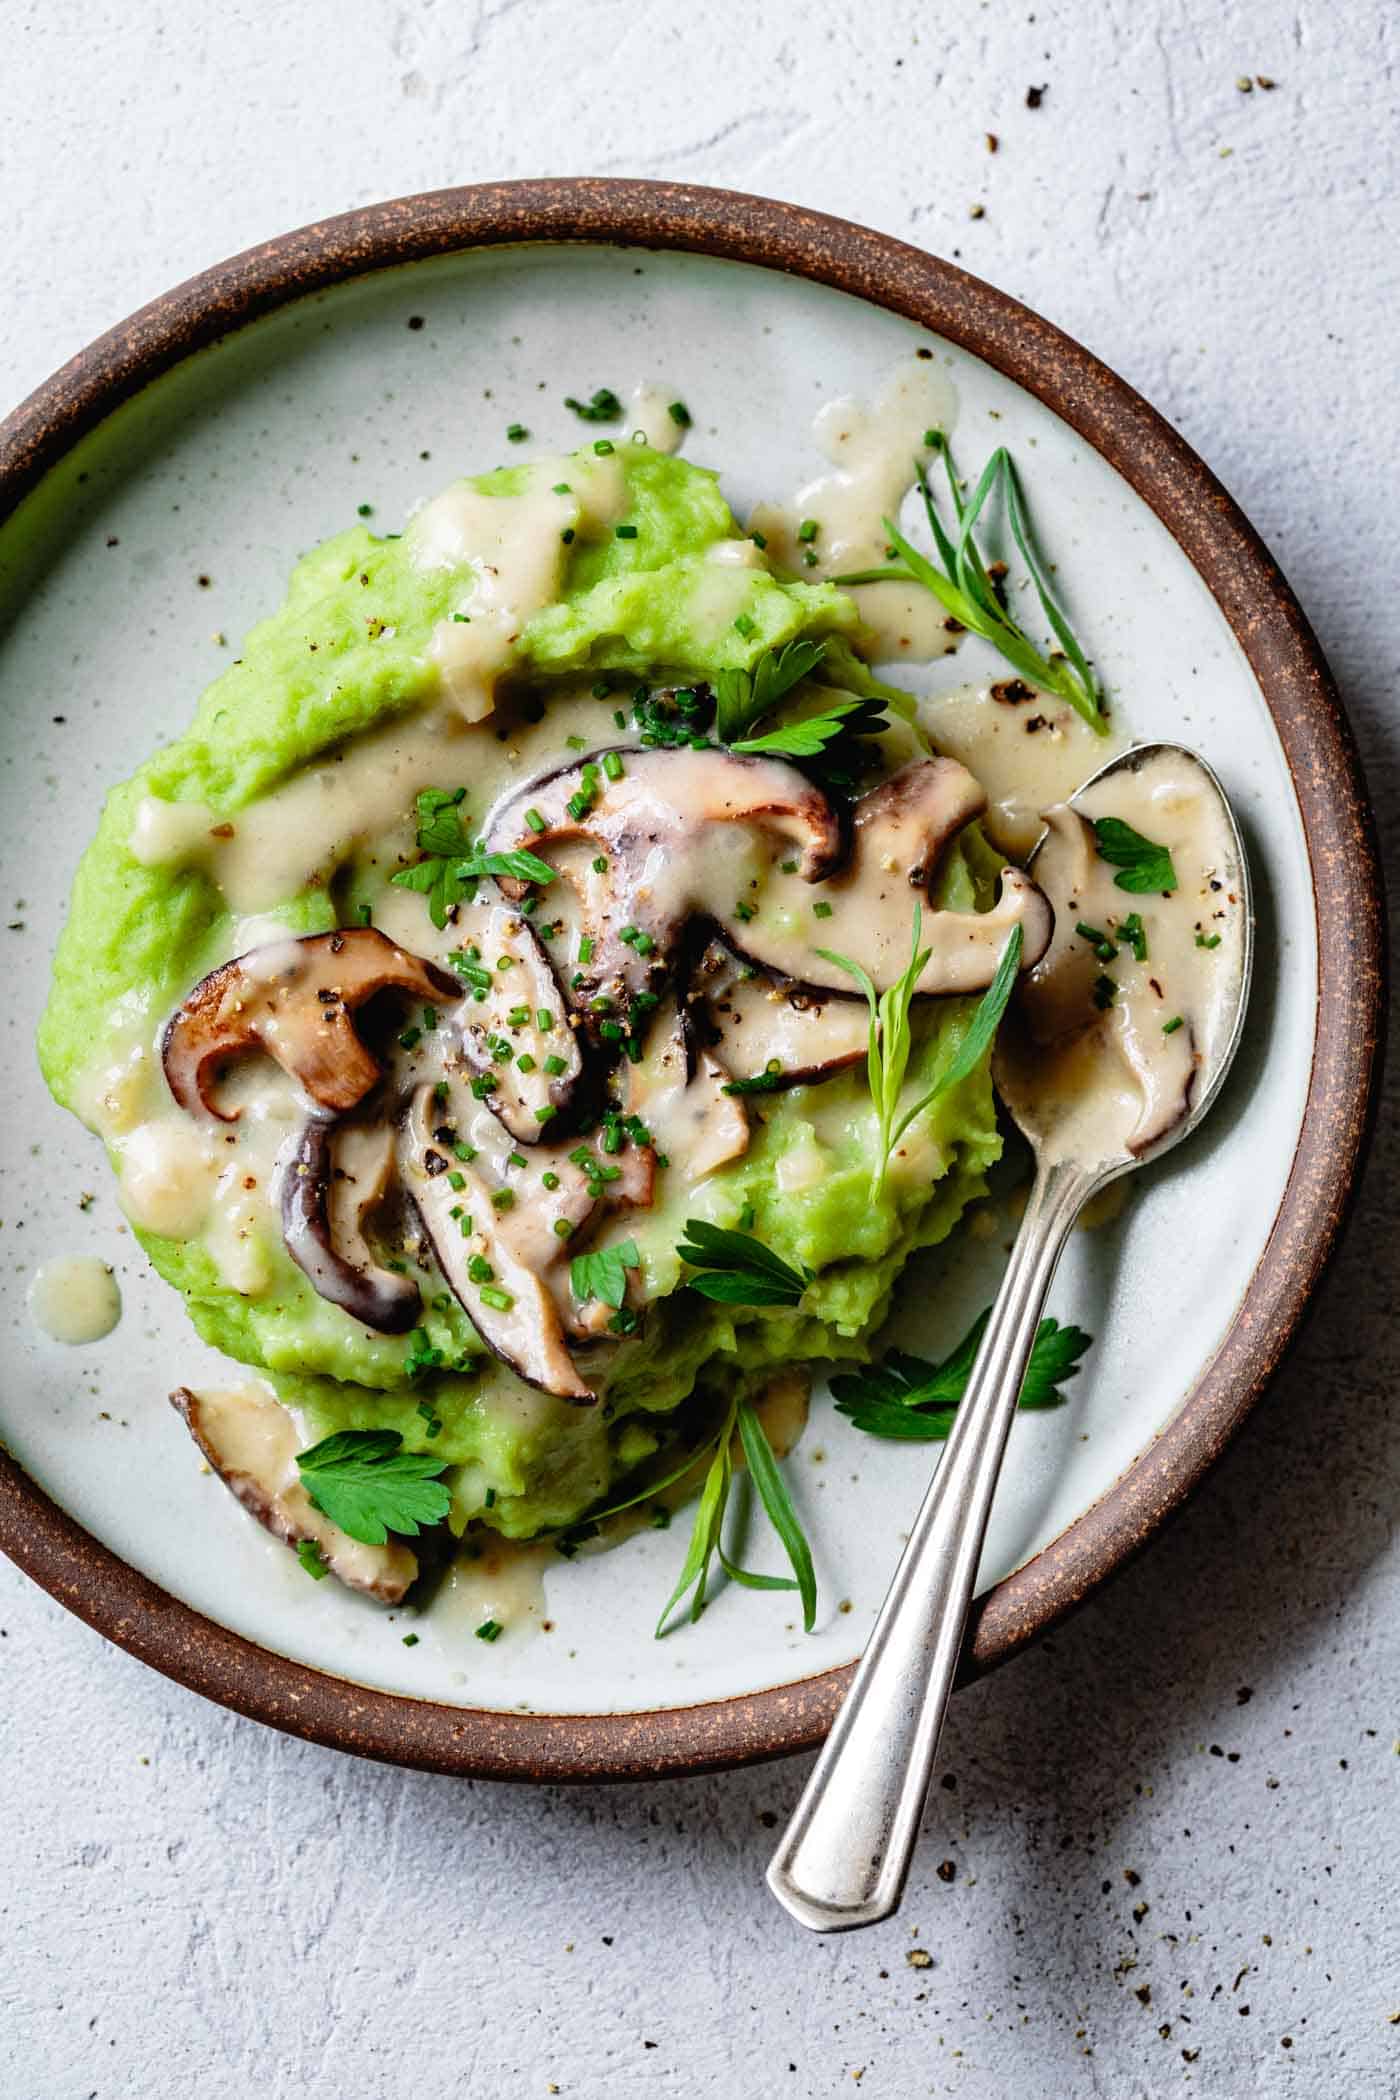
(844, 1856)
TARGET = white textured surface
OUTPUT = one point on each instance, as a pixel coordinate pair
(194, 1902)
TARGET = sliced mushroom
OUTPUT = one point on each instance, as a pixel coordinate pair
(519, 1319)
(672, 829)
(1056, 1003)
(762, 1027)
(519, 1030)
(339, 1174)
(901, 830)
(251, 1442)
(677, 1089)
(294, 999)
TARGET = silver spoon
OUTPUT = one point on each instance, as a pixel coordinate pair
(844, 1856)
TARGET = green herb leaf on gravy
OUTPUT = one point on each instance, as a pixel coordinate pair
(890, 1042)
(364, 1481)
(602, 1273)
(742, 697)
(909, 1398)
(312, 1559)
(737, 1269)
(455, 863)
(808, 736)
(1144, 867)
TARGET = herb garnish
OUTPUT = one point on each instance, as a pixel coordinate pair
(1143, 865)
(737, 1269)
(707, 1536)
(887, 1057)
(453, 862)
(742, 697)
(602, 406)
(769, 1081)
(312, 1559)
(908, 1397)
(965, 587)
(808, 737)
(603, 1273)
(364, 1481)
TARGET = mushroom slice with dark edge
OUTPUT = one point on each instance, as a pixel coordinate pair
(251, 1442)
(294, 999)
(1057, 1000)
(901, 829)
(338, 1175)
(763, 1028)
(520, 1030)
(508, 1301)
(674, 831)
(677, 1089)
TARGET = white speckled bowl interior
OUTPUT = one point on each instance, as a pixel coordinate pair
(179, 520)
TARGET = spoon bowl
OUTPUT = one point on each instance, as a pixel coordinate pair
(1120, 1041)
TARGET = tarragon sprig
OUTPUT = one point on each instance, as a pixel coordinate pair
(965, 588)
(891, 1039)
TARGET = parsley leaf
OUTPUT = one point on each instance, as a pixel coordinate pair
(603, 1273)
(312, 1559)
(805, 738)
(741, 697)
(909, 1398)
(1144, 865)
(454, 862)
(891, 1040)
(737, 1269)
(364, 1481)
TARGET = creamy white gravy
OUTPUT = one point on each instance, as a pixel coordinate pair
(1106, 1055)
(1027, 754)
(873, 449)
(75, 1299)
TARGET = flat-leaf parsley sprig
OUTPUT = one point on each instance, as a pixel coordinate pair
(1144, 867)
(909, 1398)
(891, 1038)
(364, 1481)
(964, 585)
(737, 1269)
(453, 863)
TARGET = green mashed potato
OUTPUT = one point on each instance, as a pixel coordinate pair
(360, 660)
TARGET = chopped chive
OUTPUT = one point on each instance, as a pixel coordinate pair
(466, 1153)
(408, 1037)
(807, 531)
(603, 446)
(821, 911)
(496, 1298)
(430, 1018)
(516, 1159)
(567, 536)
(1202, 942)
(679, 414)
(518, 1016)
(561, 488)
(516, 433)
(455, 1179)
(600, 865)
(366, 510)
(555, 1066)
(585, 949)
(744, 625)
(488, 1500)
(1105, 992)
(1170, 1027)
(1134, 933)
(612, 765)
(503, 1199)
(525, 1062)
(644, 944)
(625, 532)
(550, 1178)
(759, 541)
(562, 1228)
(535, 821)
(484, 1085)
(544, 1019)
(745, 911)
(611, 1031)
(546, 1113)
(363, 915)
(489, 1629)
(463, 619)
(480, 1270)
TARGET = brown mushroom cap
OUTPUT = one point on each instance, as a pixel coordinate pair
(338, 1174)
(524, 1007)
(760, 1025)
(901, 830)
(294, 999)
(666, 829)
(251, 1442)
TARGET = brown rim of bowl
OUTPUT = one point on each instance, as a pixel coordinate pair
(1317, 742)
